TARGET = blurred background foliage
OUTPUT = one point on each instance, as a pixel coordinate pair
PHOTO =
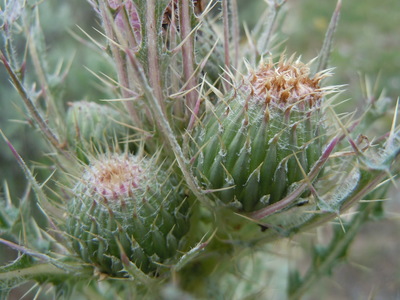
(367, 44)
(58, 19)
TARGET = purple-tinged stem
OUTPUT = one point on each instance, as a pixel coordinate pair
(47, 131)
(273, 208)
(194, 115)
(24, 250)
(61, 267)
(152, 51)
(127, 24)
(166, 129)
(235, 32)
(121, 71)
(42, 199)
(225, 14)
(188, 55)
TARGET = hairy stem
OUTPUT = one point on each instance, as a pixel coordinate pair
(40, 72)
(152, 51)
(273, 208)
(119, 62)
(225, 14)
(268, 27)
(166, 129)
(235, 32)
(47, 131)
(325, 52)
(188, 55)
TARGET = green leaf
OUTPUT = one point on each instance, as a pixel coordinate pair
(21, 262)
(9, 274)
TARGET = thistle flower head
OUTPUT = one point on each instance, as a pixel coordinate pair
(263, 137)
(125, 206)
(115, 177)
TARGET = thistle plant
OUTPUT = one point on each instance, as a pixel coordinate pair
(209, 150)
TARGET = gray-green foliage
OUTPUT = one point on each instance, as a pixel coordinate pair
(203, 158)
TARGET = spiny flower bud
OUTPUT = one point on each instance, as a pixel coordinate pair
(129, 8)
(90, 126)
(126, 201)
(171, 12)
(264, 137)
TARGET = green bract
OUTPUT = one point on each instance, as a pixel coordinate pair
(123, 205)
(93, 127)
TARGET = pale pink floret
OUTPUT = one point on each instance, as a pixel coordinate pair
(115, 177)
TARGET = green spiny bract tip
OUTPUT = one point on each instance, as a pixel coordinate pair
(125, 201)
